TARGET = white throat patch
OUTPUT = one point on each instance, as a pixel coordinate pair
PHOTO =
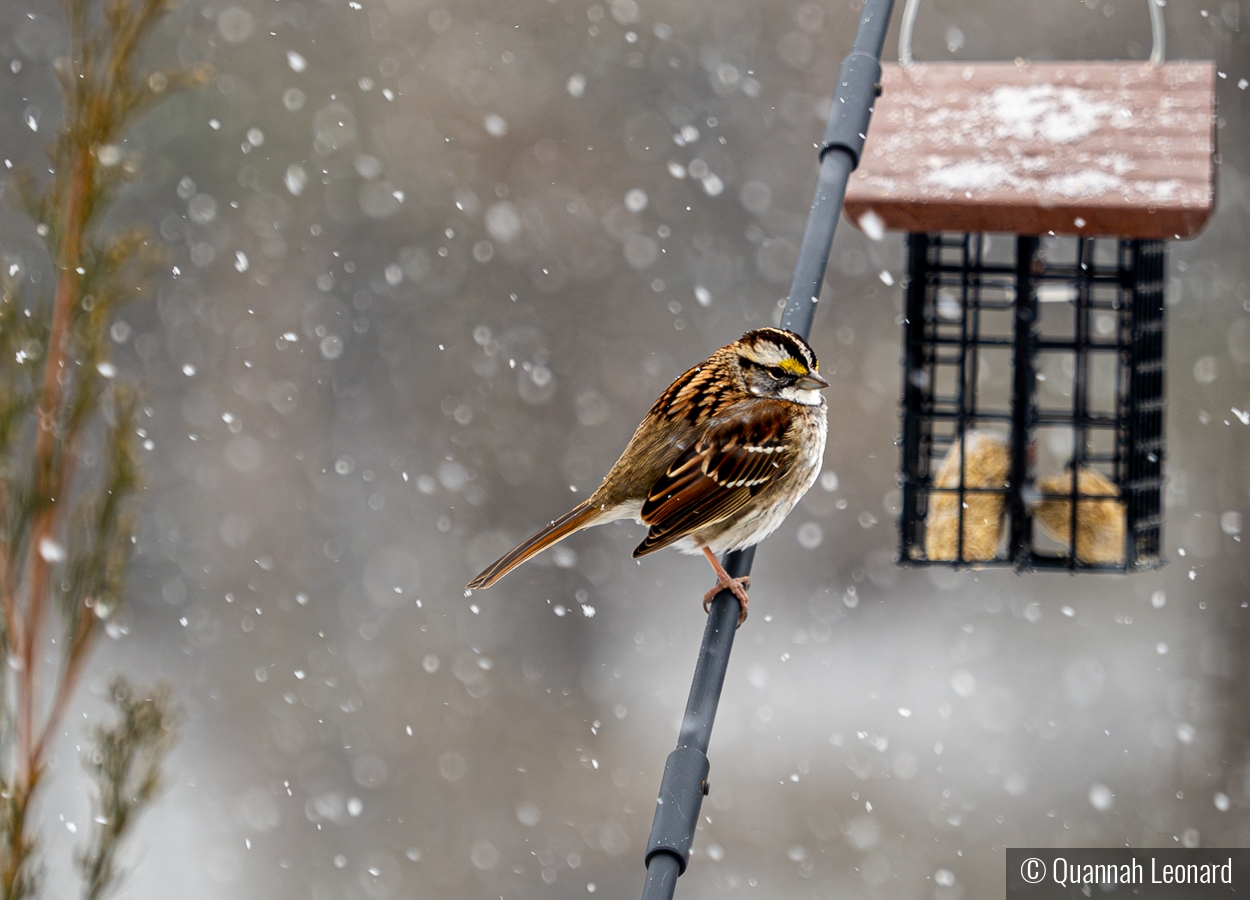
(799, 395)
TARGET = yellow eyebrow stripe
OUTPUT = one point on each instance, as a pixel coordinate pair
(793, 366)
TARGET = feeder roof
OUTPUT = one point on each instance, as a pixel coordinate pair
(1093, 148)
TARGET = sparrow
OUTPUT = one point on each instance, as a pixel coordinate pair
(717, 463)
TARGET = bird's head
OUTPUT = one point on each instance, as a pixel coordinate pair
(779, 364)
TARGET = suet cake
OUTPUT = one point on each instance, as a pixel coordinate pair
(1099, 516)
(986, 464)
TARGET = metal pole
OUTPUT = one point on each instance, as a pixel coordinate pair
(858, 83)
(685, 773)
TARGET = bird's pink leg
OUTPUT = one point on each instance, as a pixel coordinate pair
(737, 586)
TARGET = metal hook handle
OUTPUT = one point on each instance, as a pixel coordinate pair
(1156, 31)
(909, 24)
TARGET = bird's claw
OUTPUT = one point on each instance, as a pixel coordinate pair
(738, 587)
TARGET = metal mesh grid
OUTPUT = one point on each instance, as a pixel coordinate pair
(1033, 375)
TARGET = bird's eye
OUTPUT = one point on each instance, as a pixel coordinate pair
(776, 373)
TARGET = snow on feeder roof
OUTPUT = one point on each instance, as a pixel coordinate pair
(1069, 148)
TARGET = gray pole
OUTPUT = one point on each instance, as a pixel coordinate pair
(685, 773)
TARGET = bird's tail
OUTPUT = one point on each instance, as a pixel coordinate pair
(575, 519)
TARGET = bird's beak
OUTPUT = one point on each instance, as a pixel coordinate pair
(811, 381)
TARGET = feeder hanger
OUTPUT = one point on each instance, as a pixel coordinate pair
(909, 23)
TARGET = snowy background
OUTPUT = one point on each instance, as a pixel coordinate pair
(434, 263)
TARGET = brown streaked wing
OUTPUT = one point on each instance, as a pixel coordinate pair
(698, 394)
(729, 465)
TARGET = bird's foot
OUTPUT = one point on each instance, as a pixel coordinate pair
(738, 586)
(724, 582)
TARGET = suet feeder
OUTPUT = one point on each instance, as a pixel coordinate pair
(1037, 199)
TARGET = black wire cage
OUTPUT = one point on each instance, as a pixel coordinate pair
(1037, 199)
(1033, 374)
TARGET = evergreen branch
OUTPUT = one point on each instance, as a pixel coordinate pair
(126, 764)
(55, 388)
(101, 95)
(21, 873)
(102, 548)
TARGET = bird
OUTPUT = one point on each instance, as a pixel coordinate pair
(716, 464)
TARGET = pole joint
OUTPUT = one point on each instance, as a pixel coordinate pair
(859, 83)
(677, 808)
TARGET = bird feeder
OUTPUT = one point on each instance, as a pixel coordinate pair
(1037, 198)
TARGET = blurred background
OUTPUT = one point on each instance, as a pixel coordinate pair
(429, 265)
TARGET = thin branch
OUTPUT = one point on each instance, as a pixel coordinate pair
(47, 484)
(76, 660)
